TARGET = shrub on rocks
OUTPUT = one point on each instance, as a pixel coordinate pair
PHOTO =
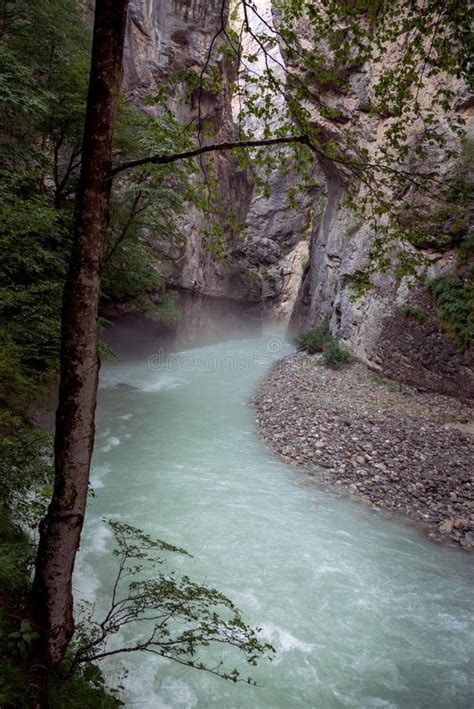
(315, 340)
(335, 355)
(319, 339)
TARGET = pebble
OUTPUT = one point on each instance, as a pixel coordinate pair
(393, 449)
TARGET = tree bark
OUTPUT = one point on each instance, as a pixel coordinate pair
(60, 531)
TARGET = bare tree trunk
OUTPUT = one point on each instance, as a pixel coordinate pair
(60, 531)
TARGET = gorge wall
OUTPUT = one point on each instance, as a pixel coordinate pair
(394, 328)
(164, 40)
(293, 265)
(264, 246)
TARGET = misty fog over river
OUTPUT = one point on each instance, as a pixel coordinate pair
(363, 611)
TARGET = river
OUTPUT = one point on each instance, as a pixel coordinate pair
(363, 611)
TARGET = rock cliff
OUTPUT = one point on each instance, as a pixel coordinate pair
(394, 328)
(264, 247)
(294, 265)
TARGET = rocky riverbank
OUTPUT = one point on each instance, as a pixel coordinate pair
(394, 447)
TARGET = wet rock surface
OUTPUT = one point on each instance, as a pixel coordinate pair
(394, 447)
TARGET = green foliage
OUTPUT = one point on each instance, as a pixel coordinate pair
(320, 339)
(22, 638)
(19, 99)
(35, 248)
(168, 309)
(15, 691)
(455, 298)
(335, 355)
(146, 206)
(16, 556)
(185, 619)
(85, 689)
(25, 468)
(42, 93)
(392, 186)
(315, 339)
(415, 312)
(18, 678)
(42, 99)
(354, 225)
(19, 689)
(253, 279)
(269, 277)
(129, 275)
(466, 249)
(42, 102)
(213, 239)
(50, 101)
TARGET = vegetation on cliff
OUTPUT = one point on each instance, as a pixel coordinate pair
(71, 218)
(319, 339)
(43, 101)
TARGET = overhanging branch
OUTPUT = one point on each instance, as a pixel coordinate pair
(213, 148)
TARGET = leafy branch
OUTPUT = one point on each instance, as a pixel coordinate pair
(167, 159)
(179, 618)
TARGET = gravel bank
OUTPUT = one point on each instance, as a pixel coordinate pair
(399, 449)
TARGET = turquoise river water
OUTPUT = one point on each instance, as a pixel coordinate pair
(363, 611)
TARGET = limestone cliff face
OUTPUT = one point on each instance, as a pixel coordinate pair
(377, 326)
(291, 264)
(264, 254)
(165, 39)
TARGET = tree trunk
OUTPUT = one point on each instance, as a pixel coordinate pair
(60, 531)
